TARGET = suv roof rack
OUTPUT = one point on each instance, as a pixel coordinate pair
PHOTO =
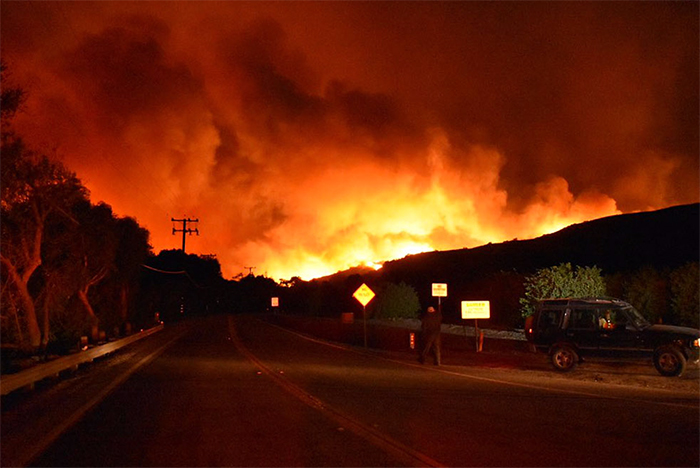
(589, 299)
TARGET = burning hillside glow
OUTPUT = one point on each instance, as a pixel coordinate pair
(363, 212)
(306, 145)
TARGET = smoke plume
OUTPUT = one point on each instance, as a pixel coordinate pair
(311, 137)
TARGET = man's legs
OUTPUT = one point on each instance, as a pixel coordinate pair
(429, 343)
(437, 344)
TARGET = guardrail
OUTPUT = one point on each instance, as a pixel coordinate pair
(11, 382)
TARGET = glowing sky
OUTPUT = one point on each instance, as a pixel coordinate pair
(312, 137)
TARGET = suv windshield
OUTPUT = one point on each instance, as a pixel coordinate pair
(636, 317)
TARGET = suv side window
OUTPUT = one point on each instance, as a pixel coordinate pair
(549, 320)
(620, 319)
(583, 319)
(613, 319)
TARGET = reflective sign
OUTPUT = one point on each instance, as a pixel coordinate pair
(363, 294)
(476, 309)
(439, 290)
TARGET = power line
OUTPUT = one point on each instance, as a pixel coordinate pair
(183, 272)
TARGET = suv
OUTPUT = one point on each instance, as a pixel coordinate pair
(568, 329)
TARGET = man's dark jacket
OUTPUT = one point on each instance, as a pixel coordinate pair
(431, 322)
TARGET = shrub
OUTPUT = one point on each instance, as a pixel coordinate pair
(398, 301)
(560, 282)
(646, 290)
(685, 303)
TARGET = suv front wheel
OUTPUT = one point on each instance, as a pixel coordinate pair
(669, 361)
(564, 358)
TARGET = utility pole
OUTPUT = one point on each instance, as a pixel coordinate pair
(250, 270)
(185, 229)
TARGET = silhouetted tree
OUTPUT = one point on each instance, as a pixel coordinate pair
(685, 300)
(133, 249)
(256, 292)
(56, 246)
(33, 187)
(646, 290)
(94, 251)
(176, 284)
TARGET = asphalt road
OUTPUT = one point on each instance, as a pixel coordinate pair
(236, 391)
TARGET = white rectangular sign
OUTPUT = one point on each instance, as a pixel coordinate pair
(275, 302)
(476, 309)
(439, 290)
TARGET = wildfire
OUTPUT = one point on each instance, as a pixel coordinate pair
(367, 211)
(301, 154)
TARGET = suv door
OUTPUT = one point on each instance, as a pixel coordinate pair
(618, 335)
(548, 326)
(582, 328)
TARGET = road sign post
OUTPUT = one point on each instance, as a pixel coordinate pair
(364, 294)
(439, 291)
(476, 310)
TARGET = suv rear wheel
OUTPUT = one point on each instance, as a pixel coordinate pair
(669, 361)
(564, 358)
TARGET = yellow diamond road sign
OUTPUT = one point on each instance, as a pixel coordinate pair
(363, 294)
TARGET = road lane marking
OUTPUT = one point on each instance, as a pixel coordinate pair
(442, 370)
(379, 439)
(46, 441)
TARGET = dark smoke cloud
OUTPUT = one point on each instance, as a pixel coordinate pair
(309, 137)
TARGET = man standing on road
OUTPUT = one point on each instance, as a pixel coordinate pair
(430, 333)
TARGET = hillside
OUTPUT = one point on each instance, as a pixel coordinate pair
(663, 238)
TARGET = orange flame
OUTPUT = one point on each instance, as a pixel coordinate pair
(363, 213)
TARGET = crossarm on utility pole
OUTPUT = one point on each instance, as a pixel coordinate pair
(185, 230)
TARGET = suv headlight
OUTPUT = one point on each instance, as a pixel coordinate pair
(696, 343)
